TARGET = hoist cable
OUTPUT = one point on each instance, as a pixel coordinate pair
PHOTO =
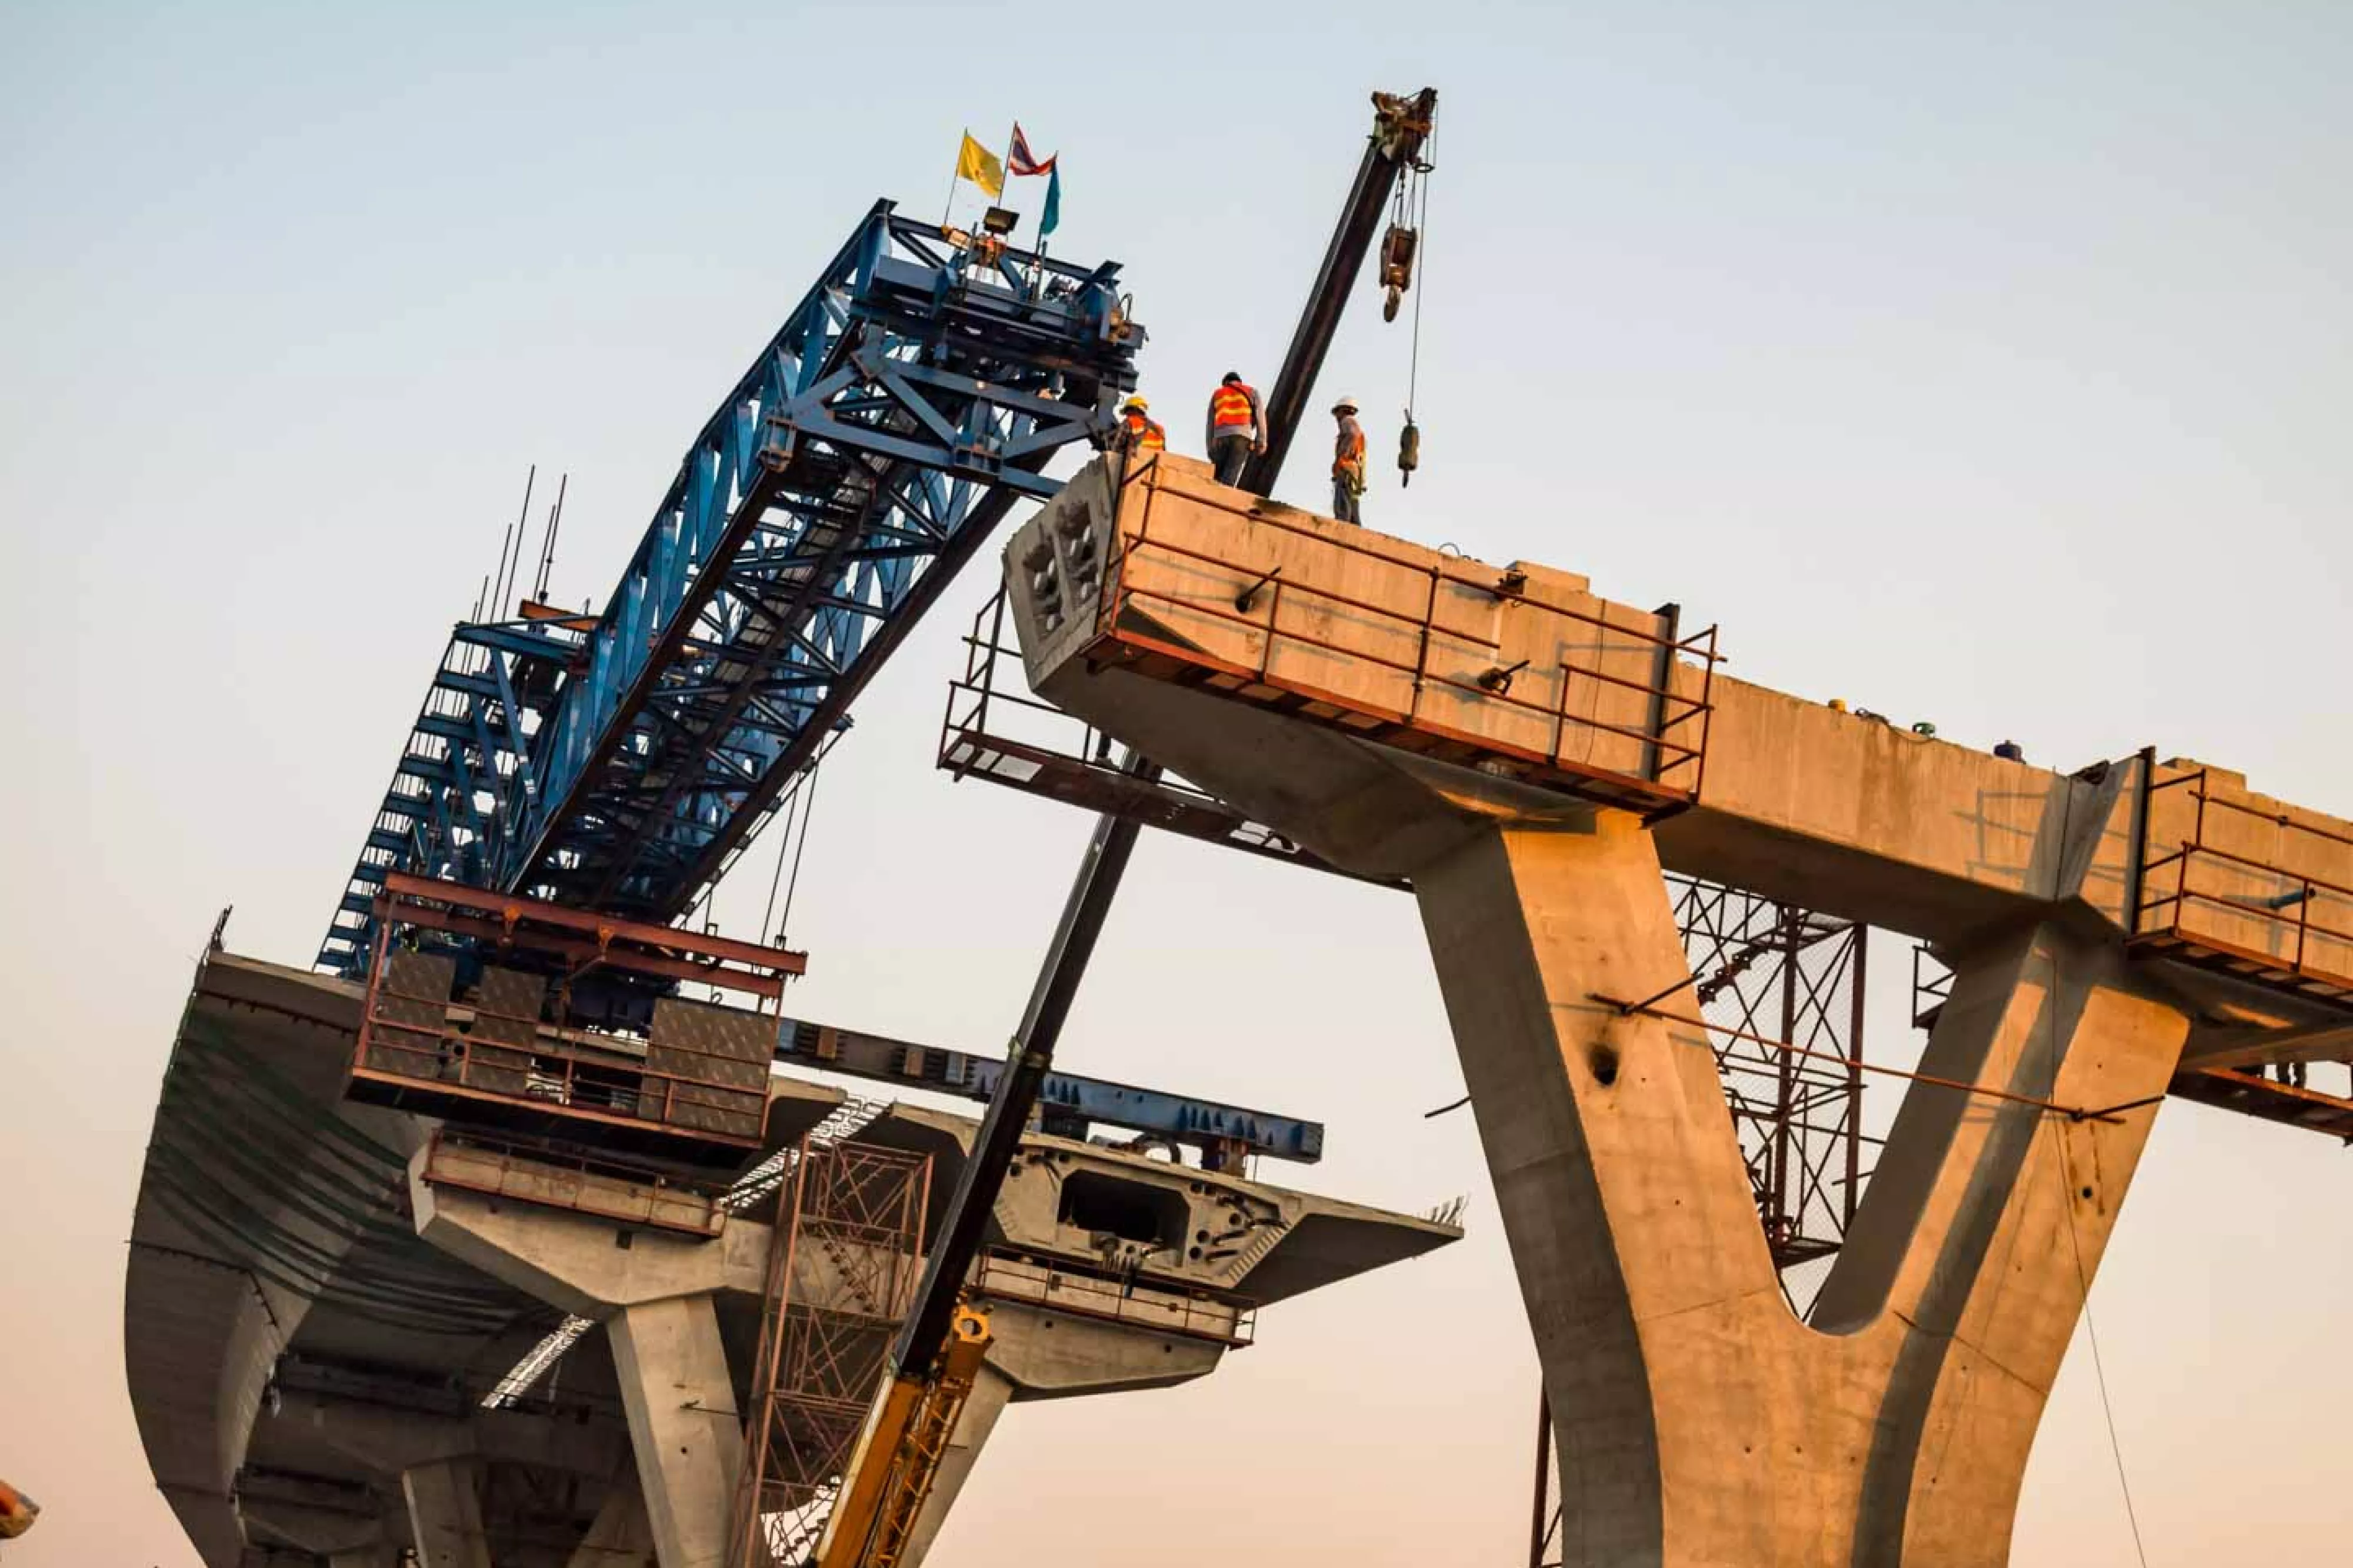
(1421, 226)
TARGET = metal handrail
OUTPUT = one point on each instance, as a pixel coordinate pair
(1274, 634)
(1674, 709)
(1262, 519)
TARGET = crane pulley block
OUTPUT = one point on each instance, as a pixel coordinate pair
(1398, 247)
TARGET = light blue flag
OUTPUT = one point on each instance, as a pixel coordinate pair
(1052, 216)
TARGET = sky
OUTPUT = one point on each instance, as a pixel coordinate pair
(1979, 364)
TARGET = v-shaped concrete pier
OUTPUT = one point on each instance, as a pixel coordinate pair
(1528, 756)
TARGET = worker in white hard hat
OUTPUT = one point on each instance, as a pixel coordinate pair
(1138, 431)
(1347, 464)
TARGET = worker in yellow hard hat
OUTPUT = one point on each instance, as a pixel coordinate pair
(1347, 463)
(1138, 431)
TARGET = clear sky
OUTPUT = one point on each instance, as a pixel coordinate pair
(1986, 363)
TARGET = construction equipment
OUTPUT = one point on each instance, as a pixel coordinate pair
(883, 1494)
(1400, 127)
(618, 764)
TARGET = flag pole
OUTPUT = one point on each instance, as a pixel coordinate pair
(954, 174)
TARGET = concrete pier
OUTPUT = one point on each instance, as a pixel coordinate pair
(1698, 1421)
(313, 1379)
(1061, 1328)
(1364, 712)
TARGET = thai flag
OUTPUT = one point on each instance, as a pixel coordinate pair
(1019, 160)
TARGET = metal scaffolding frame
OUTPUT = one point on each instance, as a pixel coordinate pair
(841, 1274)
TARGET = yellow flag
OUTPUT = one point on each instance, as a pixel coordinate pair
(981, 166)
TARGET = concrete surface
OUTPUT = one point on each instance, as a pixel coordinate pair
(1698, 1421)
(312, 1319)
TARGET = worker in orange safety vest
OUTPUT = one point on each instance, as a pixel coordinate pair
(1347, 463)
(1139, 432)
(1237, 427)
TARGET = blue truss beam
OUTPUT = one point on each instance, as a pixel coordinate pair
(1067, 1096)
(907, 403)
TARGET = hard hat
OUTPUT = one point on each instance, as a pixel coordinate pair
(1348, 402)
(1137, 402)
(1230, 377)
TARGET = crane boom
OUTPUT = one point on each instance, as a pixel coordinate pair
(1400, 126)
(887, 1480)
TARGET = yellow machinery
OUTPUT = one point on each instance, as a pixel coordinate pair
(912, 1422)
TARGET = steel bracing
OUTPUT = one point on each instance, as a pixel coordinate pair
(616, 762)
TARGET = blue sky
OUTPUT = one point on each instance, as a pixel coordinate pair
(1979, 364)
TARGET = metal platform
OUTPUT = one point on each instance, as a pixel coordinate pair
(2235, 884)
(993, 729)
(2268, 1100)
(469, 1013)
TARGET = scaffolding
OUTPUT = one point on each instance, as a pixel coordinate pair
(841, 1274)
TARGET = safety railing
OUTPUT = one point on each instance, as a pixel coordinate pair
(992, 728)
(1669, 711)
(1932, 987)
(2300, 947)
(1013, 1278)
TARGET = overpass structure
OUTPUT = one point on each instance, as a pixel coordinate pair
(492, 1242)
(332, 1305)
(1530, 760)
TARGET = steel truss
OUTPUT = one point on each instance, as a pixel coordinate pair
(841, 1274)
(617, 763)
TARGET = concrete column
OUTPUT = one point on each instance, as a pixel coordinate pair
(683, 1424)
(1699, 1422)
(621, 1537)
(444, 1514)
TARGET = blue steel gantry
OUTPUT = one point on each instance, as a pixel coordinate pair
(616, 763)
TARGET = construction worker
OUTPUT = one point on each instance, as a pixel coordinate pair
(1347, 463)
(1138, 431)
(1237, 427)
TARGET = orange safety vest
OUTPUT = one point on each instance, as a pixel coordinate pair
(1350, 460)
(1145, 436)
(1230, 405)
